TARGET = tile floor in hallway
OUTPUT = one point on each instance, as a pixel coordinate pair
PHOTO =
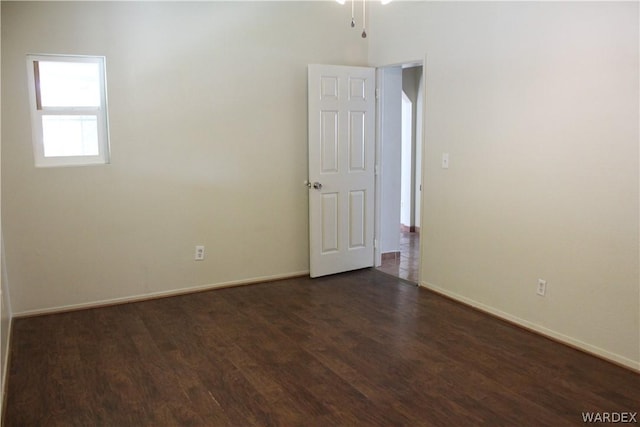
(404, 266)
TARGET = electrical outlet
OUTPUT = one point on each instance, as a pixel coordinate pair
(199, 253)
(542, 287)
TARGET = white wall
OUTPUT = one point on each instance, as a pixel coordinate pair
(413, 87)
(5, 302)
(419, 145)
(207, 104)
(391, 152)
(406, 175)
(537, 104)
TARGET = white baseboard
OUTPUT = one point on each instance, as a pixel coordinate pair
(160, 294)
(549, 333)
(5, 368)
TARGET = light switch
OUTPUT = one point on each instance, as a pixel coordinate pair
(445, 160)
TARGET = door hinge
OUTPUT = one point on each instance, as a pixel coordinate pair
(375, 170)
(375, 243)
(377, 93)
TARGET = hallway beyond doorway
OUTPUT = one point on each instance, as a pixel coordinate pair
(405, 263)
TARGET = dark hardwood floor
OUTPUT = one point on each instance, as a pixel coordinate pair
(357, 349)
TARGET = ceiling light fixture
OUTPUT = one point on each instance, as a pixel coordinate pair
(364, 14)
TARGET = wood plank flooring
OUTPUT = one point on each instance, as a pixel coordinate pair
(357, 349)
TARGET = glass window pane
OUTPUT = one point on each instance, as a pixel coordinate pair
(70, 135)
(69, 84)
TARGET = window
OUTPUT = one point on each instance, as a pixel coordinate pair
(68, 110)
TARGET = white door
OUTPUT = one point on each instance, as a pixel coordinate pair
(341, 168)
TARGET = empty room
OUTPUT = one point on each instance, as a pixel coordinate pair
(193, 193)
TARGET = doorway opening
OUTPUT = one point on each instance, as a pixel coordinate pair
(400, 118)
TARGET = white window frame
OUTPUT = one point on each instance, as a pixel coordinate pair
(38, 111)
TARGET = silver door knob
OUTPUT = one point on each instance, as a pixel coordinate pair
(315, 185)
